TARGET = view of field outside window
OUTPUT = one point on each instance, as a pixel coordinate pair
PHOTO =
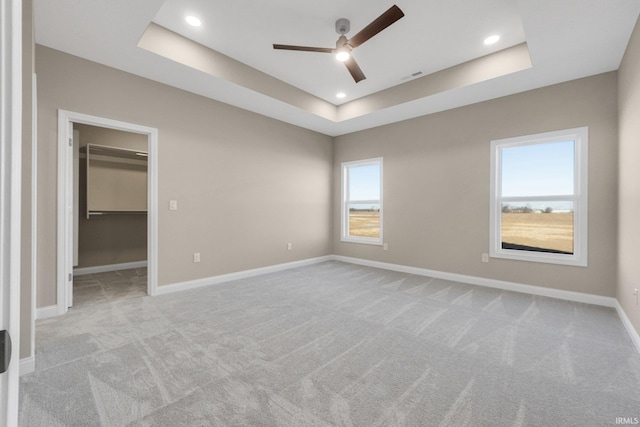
(538, 171)
(364, 200)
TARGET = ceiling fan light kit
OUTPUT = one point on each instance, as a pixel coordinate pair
(344, 46)
(342, 55)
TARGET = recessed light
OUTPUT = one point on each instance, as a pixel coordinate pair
(340, 95)
(193, 21)
(491, 39)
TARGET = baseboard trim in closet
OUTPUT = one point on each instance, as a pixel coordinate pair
(46, 312)
(110, 267)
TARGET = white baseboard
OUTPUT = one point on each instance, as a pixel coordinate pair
(633, 334)
(27, 365)
(111, 267)
(198, 283)
(491, 283)
(46, 312)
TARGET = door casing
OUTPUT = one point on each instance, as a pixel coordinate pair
(66, 202)
(10, 199)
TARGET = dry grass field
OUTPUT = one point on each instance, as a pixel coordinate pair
(552, 231)
(541, 230)
(364, 224)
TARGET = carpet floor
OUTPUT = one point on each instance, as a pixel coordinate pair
(333, 344)
(109, 286)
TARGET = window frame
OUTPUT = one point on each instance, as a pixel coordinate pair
(345, 201)
(580, 136)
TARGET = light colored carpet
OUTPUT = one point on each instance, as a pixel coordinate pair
(113, 285)
(333, 344)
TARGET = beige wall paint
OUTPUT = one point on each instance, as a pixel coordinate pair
(246, 185)
(629, 207)
(436, 184)
(112, 239)
(109, 239)
(28, 51)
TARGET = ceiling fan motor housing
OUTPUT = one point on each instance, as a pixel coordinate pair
(343, 26)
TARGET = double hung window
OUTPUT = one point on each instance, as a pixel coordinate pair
(362, 201)
(539, 197)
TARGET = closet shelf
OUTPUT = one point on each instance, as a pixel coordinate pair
(124, 153)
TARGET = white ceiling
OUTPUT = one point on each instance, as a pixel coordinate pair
(421, 41)
(567, 39)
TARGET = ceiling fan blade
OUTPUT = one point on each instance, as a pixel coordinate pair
(380, 23)
(354, 69)
(303, 48)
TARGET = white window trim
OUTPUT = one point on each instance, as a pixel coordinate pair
(580, 198)
(344, 228)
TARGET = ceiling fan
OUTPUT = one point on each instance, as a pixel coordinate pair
(343, 46)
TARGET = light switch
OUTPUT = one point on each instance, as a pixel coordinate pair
(173, 205)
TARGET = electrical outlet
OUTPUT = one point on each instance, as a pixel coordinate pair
(635, 292)
(485, 257)
(289, 246)
(196, 257)
(385, 247)
(173, 205)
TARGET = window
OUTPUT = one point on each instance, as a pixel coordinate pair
(362, 201)
(539, 197)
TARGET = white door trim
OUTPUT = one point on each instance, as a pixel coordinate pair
(10, 198)
(65, 198)
(34, 210)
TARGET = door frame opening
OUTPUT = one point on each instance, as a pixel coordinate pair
(64, 275)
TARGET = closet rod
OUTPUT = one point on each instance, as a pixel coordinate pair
(106, 150)
(117, 212)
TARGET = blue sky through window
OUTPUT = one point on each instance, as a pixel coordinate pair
(364, 182)
(538, 170)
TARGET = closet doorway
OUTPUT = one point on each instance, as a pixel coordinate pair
(107, 202)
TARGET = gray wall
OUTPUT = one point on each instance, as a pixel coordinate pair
(109, 239)
(436, 184)
(629, 209)
(246, 185)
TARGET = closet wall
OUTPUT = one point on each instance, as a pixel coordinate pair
(110, 238)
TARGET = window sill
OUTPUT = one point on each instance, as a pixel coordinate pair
(569, 260)
(362, 240)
